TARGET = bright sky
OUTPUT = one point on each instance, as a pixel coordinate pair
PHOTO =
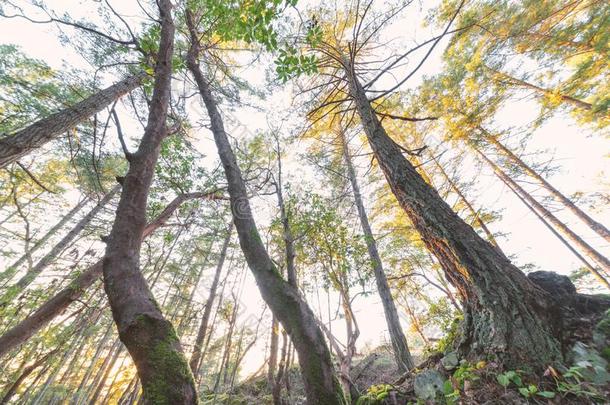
(582, 157)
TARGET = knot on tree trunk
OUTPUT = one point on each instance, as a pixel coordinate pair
(580, 312)
(553, 283)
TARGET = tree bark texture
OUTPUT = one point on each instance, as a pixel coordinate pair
(23, 142)
(505, 315)
(284, 300)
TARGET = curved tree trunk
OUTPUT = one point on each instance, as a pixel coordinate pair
(150, 339)
(22, 142)
(285, 301)
(195, 361)
(402, 355)
(55, 305)
(597, 227)
(505, 315)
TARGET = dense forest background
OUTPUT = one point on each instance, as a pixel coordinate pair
(286, 202)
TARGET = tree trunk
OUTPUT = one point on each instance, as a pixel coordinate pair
(27, 279)
(273, 352)
(13, 268)
(150, 339)
(24, 374)
(102, 375)
(550, 228)
(276, 391)
(55, 305)
(506, 316)
(285, 301)
(577, 240)
(565, 98)
(287, 232)
(203, 326)
(402, 355)
(597, 227)
(23, 142)
(473, 212)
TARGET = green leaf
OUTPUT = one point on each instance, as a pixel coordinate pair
(546, 394)
(503, 380)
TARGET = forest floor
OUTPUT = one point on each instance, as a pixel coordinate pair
(441, 378)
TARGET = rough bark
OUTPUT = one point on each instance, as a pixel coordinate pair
(150, 339)
(203, 326)
(55, 305)
(23, 142)
(402, 355)
(13, 268)
(285, 301)
(597, 227)
(563, 228)
(505, 315)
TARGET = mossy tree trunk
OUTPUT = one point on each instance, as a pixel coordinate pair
(505, 315)
(150, 339)
(284, 300)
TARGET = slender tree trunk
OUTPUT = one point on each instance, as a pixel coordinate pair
(273, 352)
(27, 279)
(597, 227)
(287, 232)
(24, 374)
(577, 240)
(565, 98)
(23, 142)
(550, 228)
(195, 361)
(55, 305)
(13, 268)
(276, 391)
(402, 355)
(226, 356)
(99, 380)
(285, 301)
(86, 379)
(506, 316)
(112, 384)
(473, 212)
(414, 321)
